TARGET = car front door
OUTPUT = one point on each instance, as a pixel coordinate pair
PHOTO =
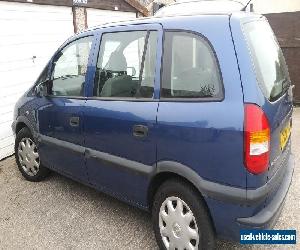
(120, 113)
(60, 118)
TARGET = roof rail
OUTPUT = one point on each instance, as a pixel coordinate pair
(237, 1)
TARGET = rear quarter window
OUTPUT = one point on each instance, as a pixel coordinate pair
(190, 68)
(268, 60)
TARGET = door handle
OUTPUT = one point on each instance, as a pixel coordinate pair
(74, 121)
(140, 131)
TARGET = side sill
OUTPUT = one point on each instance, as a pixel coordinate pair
(210, 189)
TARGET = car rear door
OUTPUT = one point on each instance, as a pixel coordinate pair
(266, 83)
(274, 81)
(120, 113)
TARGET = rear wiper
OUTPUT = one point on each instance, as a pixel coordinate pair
(279, 88)
(286, 83)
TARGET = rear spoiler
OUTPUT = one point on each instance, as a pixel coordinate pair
(245, 7)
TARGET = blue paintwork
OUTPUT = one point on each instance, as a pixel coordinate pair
(54, 120)
(109, 128)
(216, 126)
(278, 112)
(205, 136)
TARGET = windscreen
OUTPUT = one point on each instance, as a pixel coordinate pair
(269, 63)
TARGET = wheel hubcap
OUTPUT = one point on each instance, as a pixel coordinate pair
(176, 230)
(28, 156)
(177, 224)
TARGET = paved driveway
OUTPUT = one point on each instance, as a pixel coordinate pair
(61, 214)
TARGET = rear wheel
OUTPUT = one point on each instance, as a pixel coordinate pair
(180, 219)
(27, 157)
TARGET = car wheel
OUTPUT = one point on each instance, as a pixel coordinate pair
(180, 219)
(27, 157)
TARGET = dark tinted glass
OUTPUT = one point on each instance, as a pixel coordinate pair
(269, 63)
(126, 65)
(190, 69)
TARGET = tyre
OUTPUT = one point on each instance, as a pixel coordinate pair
(27, 157)
(180, 218)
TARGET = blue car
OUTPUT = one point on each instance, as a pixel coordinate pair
(188, 117)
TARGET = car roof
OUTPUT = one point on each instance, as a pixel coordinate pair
(177, 17)
(161, 20)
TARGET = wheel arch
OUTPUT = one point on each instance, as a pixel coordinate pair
(166, 170)
(20, 125)
(173, 170)
(23, 122)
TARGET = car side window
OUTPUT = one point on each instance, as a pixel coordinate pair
(69, 68)
(190, 68)
(126, 65)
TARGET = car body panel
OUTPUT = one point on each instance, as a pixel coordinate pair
(52, 126)
(201, 141)
(109, 129)
(109, 126)
(216, 126)
(54, 122)
(279, 112)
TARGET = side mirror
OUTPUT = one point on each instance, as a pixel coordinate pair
(42, 89)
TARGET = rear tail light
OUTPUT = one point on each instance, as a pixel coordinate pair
(256, 139)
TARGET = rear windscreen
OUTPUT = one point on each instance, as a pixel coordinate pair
(270, 67)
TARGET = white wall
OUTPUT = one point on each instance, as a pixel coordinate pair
(97, 17)
(275, 6)
(29, 35)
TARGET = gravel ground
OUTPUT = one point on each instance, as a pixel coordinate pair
(61, 214)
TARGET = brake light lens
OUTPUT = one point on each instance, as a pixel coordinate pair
(256, 139)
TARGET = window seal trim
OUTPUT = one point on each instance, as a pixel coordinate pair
(66, 97)
(192, 99)
(195, 99)
(143, 59)
(129, 99)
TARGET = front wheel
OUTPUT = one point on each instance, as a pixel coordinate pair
(27, 157)
(180, 219)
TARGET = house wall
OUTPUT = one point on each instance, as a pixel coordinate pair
(30, 34)
(287, 29)
(284, 17)
(150, 3)
(105, 5)
(80, 18)
(110, 5)
(275, 6)
(31, 31)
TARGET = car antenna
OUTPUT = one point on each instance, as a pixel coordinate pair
(245, 7)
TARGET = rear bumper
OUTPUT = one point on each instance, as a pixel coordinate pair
(267, 217)
(255, 213)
